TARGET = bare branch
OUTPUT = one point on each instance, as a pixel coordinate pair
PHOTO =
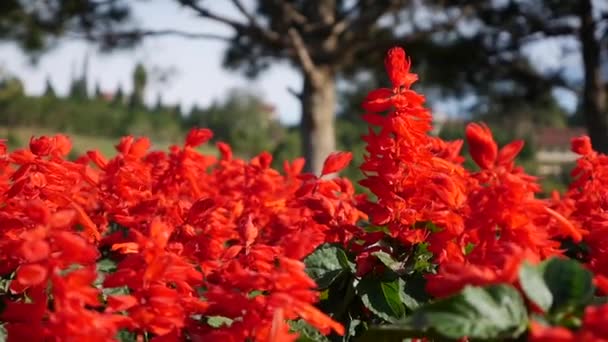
(291, 13)
(183, 34)
(251, 29)
(302, 53)
(239, 5)
(297, 94)
(117, 37)
(205, 13)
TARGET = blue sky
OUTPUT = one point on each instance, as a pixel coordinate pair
(198, 78)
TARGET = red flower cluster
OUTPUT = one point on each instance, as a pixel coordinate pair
(179, 245)
(419, 178)
(479, 225)
(194, 238)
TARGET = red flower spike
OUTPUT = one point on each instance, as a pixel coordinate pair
(336, 162)
(398, 68)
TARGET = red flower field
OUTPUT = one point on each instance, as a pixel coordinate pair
(181, 246)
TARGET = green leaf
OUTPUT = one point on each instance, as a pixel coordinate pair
(373, 229)
(337, 299)
(383, 298)
(106, 266)
(533, 285)
(388, 261)
(484, 313)
(326, 264)
(469, 248)
(3, 334)
(218, 321)
(569, 282)
(124, 335)
(421, 261)
(307, 332)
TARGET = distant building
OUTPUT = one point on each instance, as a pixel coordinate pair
(553, 149)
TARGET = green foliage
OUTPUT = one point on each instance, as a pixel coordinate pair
(533, 285)
(569, 282)
(326, 264)
(481, 313)
(36, 27)
(307, 333)
(382, 297)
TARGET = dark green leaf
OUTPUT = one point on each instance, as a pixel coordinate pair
(383, 298)
(326, 264)
(533, 285)
(373, 229)
(569, 282)
(124, 335)
(469, 248)
(337, 299)
(422, 259)
(388, 261)
(494, 312)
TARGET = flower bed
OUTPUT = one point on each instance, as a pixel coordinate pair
(177, 245)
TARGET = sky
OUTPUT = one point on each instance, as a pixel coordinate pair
(197, 75)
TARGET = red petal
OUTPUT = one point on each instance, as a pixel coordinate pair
(120, 303)
(140, 147)
(198, 136)
(374, 119)
(225, 151)
(482, 146)
(508, 153)
(582, 145)
(378, 100)
(35, 250)
(32, 274)
(336, 162)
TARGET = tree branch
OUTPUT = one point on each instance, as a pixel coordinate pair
(302, 54)
(251, 29)
(291, 12)
(117, 38)
(183, 34)
(239, 5)
(297, 94)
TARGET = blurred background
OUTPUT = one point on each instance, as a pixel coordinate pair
(288, 76)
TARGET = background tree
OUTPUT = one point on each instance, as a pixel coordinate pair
(491, 59)
(464, 46)
(49, 90)
(243, 120)
(139, 86)
(321, 38)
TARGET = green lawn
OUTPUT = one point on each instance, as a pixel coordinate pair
(20, 136)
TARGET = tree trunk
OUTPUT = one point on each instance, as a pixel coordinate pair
(317, 131)
(594, 94)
